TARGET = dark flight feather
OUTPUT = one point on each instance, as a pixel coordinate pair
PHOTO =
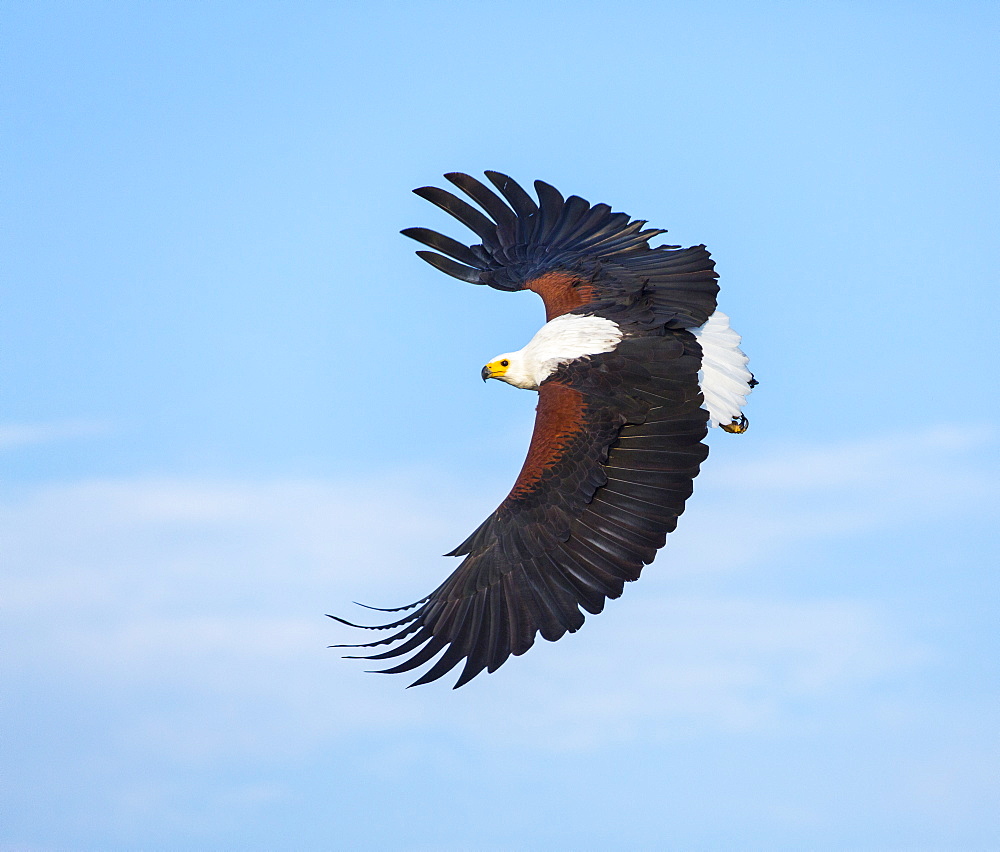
(450, 267)
(604, 258)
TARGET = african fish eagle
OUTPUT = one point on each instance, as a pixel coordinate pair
(632, 367)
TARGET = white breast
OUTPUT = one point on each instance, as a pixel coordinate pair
(724, 377)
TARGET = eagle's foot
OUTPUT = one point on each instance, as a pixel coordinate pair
(737, 427)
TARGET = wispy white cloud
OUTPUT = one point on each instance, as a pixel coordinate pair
(16, 435)
(216, 589)
(866, 463)
(700, 665)
(802, 493)
(185, 617)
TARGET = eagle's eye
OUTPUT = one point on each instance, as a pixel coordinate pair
(505, 363)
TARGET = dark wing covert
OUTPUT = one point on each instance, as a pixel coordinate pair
(576, 256)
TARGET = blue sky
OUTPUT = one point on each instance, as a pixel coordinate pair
(233, 400)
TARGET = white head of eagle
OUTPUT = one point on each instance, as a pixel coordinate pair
(558, 342)
(632, 367)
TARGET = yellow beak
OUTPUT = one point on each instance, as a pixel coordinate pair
(493, 370)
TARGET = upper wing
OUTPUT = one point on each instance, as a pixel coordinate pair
(616, 446)
(574, 255)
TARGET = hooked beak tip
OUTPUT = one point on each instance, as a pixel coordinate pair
(486, 373)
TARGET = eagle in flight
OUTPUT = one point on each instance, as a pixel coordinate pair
(632, 367)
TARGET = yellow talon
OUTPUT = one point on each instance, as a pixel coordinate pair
(737, 427)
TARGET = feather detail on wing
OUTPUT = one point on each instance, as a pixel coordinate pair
(576, 256)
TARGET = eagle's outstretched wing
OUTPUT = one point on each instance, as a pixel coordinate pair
(616, 446)
(576, 256)
(618, 435)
